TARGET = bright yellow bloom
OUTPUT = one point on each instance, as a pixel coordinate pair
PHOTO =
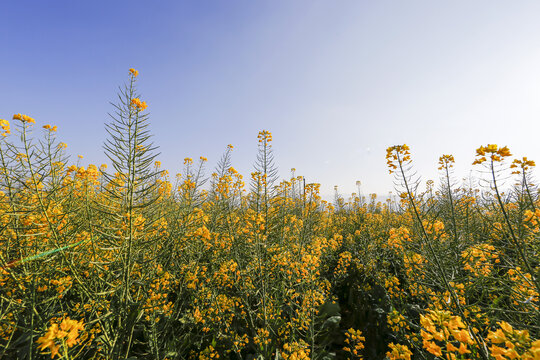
(497, 336)
(491, 148)
(140, 105)
(397, 155)
(446, 161)
(524, 164)
(68, 329)
(463, 349)
(4, 124)
(133, 72)
(264, 136)
(481, 151)
(24, 118)
(50, 128)
(398, 352)
(497, 154)
(433, 348)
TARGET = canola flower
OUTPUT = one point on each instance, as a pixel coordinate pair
(24, 118)
(138, 104)
(495, 153)
(444, 332)
(60, 337)
(396, 155)
(398, 352)
(446, 161)
(4, 124)
(355, 343)
(522, 165)
(508, 343)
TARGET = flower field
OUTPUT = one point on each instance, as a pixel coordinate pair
(128, 262)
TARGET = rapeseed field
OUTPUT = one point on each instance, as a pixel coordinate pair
(127, 261)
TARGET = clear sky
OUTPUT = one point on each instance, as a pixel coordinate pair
(336, 82)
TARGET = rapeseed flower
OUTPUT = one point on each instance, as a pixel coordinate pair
(24, 118)
(137, 103)
(4, 124)
(64, 335)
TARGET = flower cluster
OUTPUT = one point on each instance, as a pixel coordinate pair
(495, 153)
(522, 165)
(509, 343)
(446, 161)
(4, 124)
(61, 337)
(138, 104)
(50, 128)
(397, 155)
(445, 333)
(264, 136)
(399, 352)
(355, 343)
(24, 118)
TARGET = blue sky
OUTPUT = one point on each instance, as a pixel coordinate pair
(335, 82)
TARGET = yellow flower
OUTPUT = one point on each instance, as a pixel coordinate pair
(491, 148)
(4, 124)
(140, 105)
(497, 336)
(397, 154)
(497, 154)
(446, 160)
(50, 128)
(481, 151)
(133, 72)
(398, 352)
(479, 160)
(524, 164)
(463, 349)
(504, 152)
(463, 336)
(264, 136)
(433, 348)
(506, 326)
(24, 118)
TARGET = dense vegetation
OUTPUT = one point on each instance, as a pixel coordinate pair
(127, 262)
